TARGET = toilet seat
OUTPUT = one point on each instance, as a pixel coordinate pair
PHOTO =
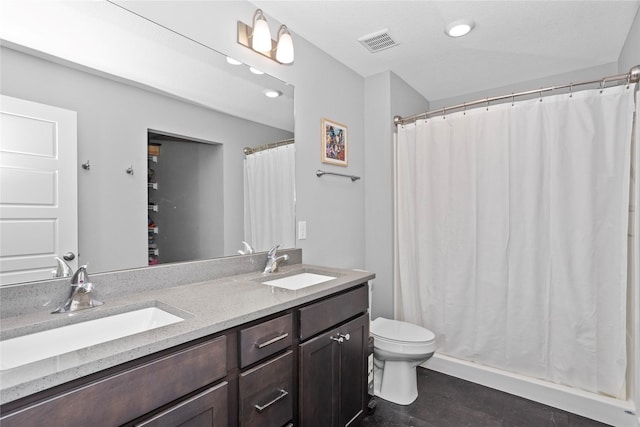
(396, 336)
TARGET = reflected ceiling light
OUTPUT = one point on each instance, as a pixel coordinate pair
(258, 38)
(284, 46)
(232, 61)
(459, 28)
(255, 71)
(270, 93)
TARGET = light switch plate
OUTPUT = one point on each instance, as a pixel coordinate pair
(302, 230)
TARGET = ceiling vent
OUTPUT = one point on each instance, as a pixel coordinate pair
(380, 40)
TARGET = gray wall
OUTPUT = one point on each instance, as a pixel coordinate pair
(386, 95)
(113, 119)
(630, 55)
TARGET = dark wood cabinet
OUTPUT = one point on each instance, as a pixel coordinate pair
(206, 409)
(352, 370)
(332, 367)
(266, 393)
(127, 395)
(305, 366)
(264, 339)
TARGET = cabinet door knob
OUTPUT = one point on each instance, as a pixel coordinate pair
(341, 338)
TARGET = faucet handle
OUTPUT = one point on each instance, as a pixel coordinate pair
(62, 268)
(248, 249)
(273, 251)
(81, 276)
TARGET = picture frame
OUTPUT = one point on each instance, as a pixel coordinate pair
(335, 143)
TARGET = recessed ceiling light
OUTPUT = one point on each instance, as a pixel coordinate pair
(255, 71)
(459, 28)
(232, 61)
(270, 93)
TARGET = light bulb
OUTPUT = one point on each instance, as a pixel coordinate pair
(261, 40)
(270, 93)
(284, 49)
(459, 28)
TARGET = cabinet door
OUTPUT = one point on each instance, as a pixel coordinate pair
(318, 381)
(333, 376)
(353, 370)
(206, 409)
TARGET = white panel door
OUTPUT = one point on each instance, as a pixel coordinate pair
(38, 189)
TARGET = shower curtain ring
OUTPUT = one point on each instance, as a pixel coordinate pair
(487, 104)
(464, 108)
(628, 80)
(571, 90)
(540, 94)
(513, 98)
(602, 85)
(444, 113)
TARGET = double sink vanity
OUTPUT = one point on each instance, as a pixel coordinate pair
(239, 348)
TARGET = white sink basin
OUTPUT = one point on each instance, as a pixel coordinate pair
(299, 281)
(53, 342)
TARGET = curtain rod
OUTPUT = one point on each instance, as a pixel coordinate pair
(251, 150)
(633, 76)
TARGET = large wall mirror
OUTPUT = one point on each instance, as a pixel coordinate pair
(131, 83)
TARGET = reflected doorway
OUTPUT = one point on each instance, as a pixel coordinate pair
(185, 198)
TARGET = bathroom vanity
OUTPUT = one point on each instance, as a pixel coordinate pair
(246, 354)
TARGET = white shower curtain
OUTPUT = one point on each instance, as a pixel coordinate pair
(269, 198)
(511, 228)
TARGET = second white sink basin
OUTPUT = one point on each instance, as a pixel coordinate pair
(299, 281)
(53, 342)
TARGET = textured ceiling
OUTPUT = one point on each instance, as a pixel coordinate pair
(514, 41)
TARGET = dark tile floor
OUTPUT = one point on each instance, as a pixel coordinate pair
(448, 401)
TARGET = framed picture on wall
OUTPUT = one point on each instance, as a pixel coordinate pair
(335, 143)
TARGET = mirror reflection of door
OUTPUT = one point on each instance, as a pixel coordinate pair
(185, 195)
(38, 189)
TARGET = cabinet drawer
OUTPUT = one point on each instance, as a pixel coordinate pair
(131, 393)
(266, 393)
(323, 315)
(206, 409)
(265, 339)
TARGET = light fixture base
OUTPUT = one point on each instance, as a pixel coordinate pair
(244, 38)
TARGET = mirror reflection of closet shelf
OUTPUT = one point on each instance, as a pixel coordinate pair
(153, 152)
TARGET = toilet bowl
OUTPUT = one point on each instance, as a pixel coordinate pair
(398, 348)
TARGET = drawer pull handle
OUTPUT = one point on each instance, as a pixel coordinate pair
(272, 340)
(282, 395)
(341, 338)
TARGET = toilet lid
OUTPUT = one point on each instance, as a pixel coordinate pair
(397, 330)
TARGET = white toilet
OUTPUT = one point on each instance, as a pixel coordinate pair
(398, 348)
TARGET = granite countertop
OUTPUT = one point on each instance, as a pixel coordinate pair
(208, 307)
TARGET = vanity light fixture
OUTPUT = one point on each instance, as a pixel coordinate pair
(258, 38)
(459, 28)
(255, 71)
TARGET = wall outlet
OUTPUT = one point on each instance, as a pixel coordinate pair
(302, 230)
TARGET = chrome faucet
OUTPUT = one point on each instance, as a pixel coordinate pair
(62, 268)
(273, 260)
(81, 295)
(247, 250)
